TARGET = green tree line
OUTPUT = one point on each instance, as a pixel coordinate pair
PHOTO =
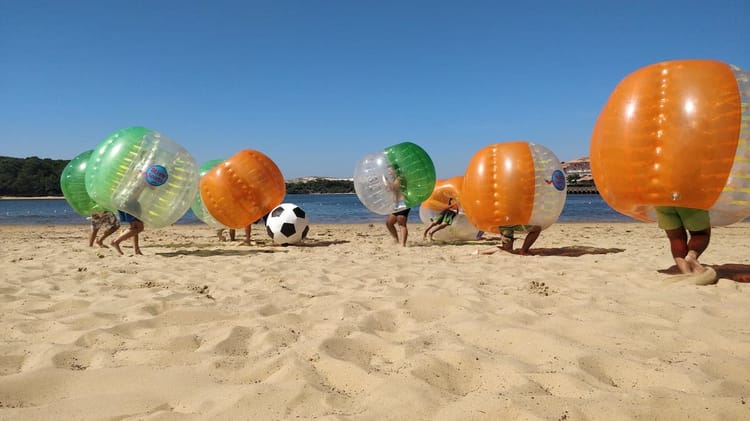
(34, 177)
(320, 185)
(30, 177)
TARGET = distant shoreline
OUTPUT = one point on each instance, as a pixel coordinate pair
(31, 197)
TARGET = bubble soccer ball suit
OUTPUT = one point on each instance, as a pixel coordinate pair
(142, 172)
(513, 183)
(242, 189)
(676, 133)
(73, 185)
(446, 189)
(399, 177)
(198, 208)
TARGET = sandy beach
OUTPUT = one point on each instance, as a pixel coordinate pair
(348, 326)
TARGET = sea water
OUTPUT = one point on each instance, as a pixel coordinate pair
(320, 208)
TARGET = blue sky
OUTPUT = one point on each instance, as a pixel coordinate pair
(316, 85)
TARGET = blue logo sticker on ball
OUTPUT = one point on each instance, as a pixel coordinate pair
(558, 180)
(156, 175)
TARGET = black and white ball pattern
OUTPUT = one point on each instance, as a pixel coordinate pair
(287, 224)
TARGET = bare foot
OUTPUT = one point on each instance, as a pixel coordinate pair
(138, 252)
(117, 247)
(487, 251)
(692, 260)
(101, 244)
(683, 265)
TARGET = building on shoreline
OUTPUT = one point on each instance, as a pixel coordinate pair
(578, 175)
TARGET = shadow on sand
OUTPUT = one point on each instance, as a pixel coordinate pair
(217, 252)
(243, 250)
(734, 271)
(318, 243)
(572, 251)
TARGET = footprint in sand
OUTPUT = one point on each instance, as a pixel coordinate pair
(11, 364)
(79, 359)
(350, 350)
(236, 344)
(379, 321)
(459, 377)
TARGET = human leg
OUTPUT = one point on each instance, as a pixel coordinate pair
(699, 241)
(390, 224)
(124, 236)
(92, 235)
(111, 230)
(138, 227)
(697, 244)
(436, 221)
(531, 236)
(248, 233)
(697, 223)
(438, 228)
(133, 230)
(506, 239)
(677, 222)
(426, 231)
(678, 244)
(404, 231)
(488, 250)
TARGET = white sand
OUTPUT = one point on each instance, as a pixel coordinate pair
(350, 326)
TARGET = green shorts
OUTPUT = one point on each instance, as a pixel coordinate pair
(673, 217)
(508, 230)
(445, 217)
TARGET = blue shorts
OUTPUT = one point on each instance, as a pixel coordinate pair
(126, 217)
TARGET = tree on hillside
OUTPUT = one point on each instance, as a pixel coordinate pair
(34, 176)
(28, 177)
(320, 185)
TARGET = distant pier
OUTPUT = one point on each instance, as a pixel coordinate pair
(582, 190)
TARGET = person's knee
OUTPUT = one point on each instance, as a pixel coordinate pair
(676, 234)
(702, 233)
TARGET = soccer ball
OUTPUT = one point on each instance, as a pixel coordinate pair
(287, 224)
